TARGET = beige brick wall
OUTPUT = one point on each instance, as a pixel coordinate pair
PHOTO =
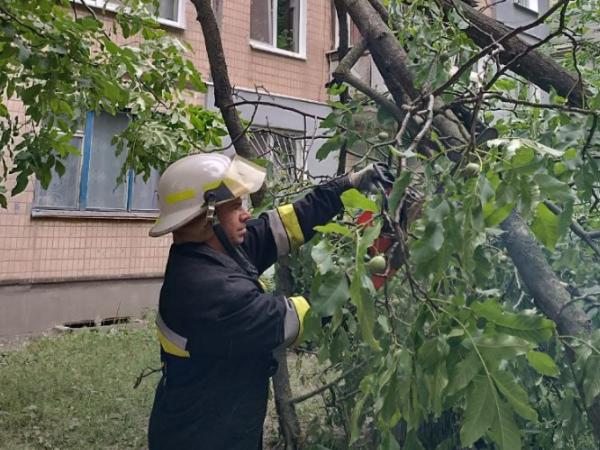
(37, 249)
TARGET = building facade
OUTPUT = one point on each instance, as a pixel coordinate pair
(79, 252)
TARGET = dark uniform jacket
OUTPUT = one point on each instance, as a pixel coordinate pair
(218, 328)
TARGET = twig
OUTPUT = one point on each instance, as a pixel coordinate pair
(325, 387)
(577, 229)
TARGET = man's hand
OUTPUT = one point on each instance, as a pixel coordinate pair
(372, 178)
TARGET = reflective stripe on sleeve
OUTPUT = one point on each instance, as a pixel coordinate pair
(170, 341)
(277, 229)
(301, 307)
(291, 225)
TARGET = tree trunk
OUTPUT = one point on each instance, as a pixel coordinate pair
(286, 411)
(549, 294)
(220, 78)
(288, 419)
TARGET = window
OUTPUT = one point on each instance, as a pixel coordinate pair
(282, 148)
(89, 181)
(170, 12)
(353, 32)
(532, 5)
(279, 26)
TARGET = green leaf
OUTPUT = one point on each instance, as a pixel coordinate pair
(365, 309)
(479, 413)
(332, 144)
(554, 188)
(426, 248)
(545, 226)
(389, 442)
(531, 327)
(332, 294)
(464, 372)
(504, 431)
(494, 214)
(543, 363)
(412, 441)
(523, 157)
(502, 347)
(515, 394)
(591, 379)
(322, 256)
(398, 190)
(353, 199)
(333, 228)
(22, 181)
(357, 411)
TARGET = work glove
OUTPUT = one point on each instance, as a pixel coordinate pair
(372, 178)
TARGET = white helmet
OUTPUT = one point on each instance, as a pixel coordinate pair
(192, 184)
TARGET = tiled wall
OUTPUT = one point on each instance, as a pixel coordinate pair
(37, 249)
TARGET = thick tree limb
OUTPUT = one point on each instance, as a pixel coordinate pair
(220, 78)
(539, 69)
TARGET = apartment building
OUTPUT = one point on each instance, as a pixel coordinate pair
(79, 252)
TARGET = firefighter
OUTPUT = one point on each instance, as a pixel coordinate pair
(217, 327)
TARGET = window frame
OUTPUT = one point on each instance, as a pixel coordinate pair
(83, 210)
(112, 7)
(272, 48)
(529, 5)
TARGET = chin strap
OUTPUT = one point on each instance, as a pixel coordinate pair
(236, 253)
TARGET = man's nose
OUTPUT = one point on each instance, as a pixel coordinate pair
(245, 215)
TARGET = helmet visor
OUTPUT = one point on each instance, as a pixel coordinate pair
(242, 178)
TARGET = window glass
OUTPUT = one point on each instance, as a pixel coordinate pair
(287, 24)
(145, 193)
(63, 192)
(261, 20)
(168, 9)
(102, 190)
(280, 147)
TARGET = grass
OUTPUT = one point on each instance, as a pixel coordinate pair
(75, 391)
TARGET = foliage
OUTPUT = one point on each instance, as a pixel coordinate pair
(61, 61)
(455, 338)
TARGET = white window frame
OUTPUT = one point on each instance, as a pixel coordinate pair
(301, 54)
(531, 5)
(112, 6)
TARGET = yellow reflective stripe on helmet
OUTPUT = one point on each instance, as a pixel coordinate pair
(171, 348)
(301, 306)
(212, 185)
(291, 225)
(181, 196)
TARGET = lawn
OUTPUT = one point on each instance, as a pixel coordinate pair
(75, 391)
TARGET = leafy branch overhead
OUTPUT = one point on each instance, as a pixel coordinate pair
(497, 170)
(61, 61)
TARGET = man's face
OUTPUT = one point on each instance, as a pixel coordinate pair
(233, 217)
